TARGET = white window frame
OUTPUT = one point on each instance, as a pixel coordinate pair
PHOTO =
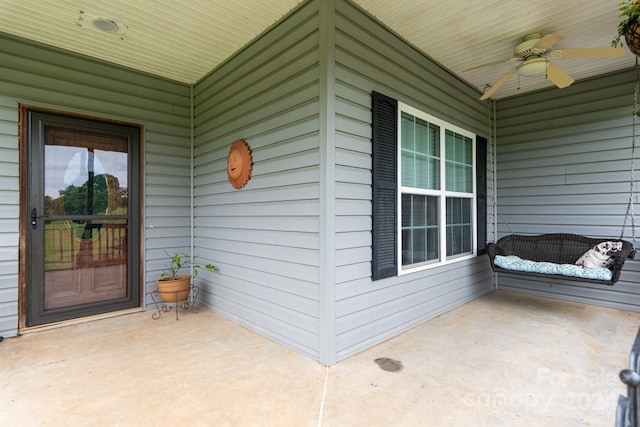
(442, 193)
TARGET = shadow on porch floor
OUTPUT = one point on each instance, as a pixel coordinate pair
(504, 359)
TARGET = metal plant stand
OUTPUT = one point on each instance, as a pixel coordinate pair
(188, 304)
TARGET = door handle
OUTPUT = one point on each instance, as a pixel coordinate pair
(34, 217)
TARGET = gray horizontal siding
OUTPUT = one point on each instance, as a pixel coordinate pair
(368, 58)
(264, 238)
(564, 166)
(365, 317)
(52, 78)
(571, 170)
(9, 212)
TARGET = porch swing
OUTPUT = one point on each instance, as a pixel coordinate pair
(570, 256)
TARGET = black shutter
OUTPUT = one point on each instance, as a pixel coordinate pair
(384, 201)
(481, 191)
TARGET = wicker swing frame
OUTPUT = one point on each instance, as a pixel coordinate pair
(557, 248)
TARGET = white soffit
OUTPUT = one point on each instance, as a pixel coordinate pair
(459, 34)
(184, 40)
(178, 39)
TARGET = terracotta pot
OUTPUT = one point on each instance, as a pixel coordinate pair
(632, 36)
(177, 290)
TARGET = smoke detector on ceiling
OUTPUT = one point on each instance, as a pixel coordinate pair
(102, 23)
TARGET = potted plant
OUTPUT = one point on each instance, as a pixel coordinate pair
(629, 27)
(173, 287)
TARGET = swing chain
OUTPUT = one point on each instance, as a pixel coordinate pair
(630, 207)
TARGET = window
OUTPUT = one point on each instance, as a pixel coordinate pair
(436, 189)
(429, 195)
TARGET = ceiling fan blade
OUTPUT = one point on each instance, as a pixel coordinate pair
(595, 52)
(500, 61)
(558, 76)
(547, 42)
(499, 83)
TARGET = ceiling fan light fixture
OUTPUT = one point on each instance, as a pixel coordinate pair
(533, 67)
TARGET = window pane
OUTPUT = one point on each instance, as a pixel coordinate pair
(406, 210)
(468, 179)
(449, 146)
(419, 245)
(408, 169)
(419, 211)
(450, 177)
(407, 166)
(420, 150)
(419, 229)
(424, 177)
(408, 132)
(468, 148)
(434, 174)
(461, 149)
(466, 231)
(458, 226)
(423, 135)
(434, 141)
(459, 162)
(406, 245)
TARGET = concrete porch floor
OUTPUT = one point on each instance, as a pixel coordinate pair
(504, 359)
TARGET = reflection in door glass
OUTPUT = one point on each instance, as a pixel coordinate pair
(89, 197)
(64, 250)
(84, 181)
(88, 270)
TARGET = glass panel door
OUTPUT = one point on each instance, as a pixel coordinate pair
(81, 218)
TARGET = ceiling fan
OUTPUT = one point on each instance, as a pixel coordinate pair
(534, 55)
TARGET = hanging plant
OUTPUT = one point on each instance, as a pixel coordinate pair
(629, 27)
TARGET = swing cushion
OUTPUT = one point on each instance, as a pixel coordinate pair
(561, 249)
(514, 263)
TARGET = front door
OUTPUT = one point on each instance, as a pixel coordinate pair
(83, 214)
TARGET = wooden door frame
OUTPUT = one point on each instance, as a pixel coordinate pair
(23, 144)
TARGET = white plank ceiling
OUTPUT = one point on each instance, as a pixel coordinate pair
(185, 39)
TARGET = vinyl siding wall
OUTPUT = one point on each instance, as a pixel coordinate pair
(293, 247)
(265, 237)
(9, 212)
(564, 166)
(45, 77)
(371, 58)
